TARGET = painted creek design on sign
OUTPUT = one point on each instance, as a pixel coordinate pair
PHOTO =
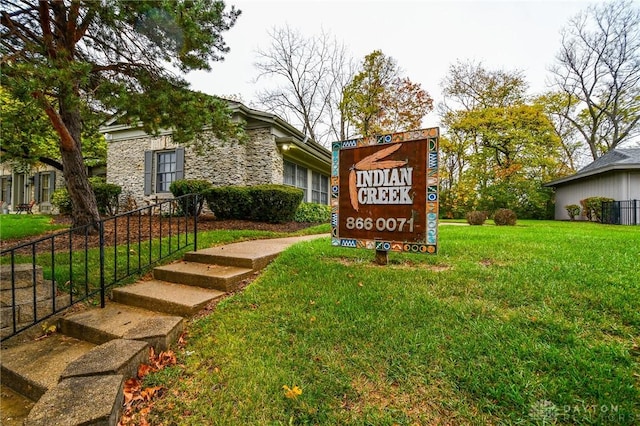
(384, 192)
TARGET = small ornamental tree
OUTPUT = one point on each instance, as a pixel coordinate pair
(573, 210)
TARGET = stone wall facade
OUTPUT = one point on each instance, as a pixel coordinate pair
(22, 188)
(256, 161)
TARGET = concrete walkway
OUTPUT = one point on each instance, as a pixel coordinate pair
(76, 376)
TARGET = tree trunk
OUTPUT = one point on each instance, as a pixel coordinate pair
(84, 209)
(83, 201)
(68, 124)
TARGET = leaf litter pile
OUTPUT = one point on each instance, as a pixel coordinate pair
(138, 399)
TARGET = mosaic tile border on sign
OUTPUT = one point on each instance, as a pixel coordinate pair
(430, 245)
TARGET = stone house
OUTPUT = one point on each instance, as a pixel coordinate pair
(21, 184)
(274, 152)
(615, 175)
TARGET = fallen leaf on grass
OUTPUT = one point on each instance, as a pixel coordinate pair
(292, 393)
(138, 400)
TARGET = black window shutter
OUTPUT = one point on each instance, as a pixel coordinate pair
(179, 163)
(148, 167)
(36, 187)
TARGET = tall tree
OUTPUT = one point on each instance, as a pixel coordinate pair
(469, 85)
(309, 73)
(555, 106)
(74, 56)
(499, 148)
(599, 65)
(27, 135)
(379, 99)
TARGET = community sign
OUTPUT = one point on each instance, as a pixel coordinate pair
(384, 192)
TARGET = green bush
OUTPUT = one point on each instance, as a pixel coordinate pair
(60, 199)
(476, 218)
(504, 217)
(190, 186)
(313, 213)
(274, 203)
(264, 203)
(592, 207)
(229, 202)
(573, 210)
(107, 195)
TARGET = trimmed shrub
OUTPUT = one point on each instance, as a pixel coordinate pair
(229, 202)
(476, 218)
(264, 203)
(313, 213)
(274, 203)
(592, 207)
(190, 186)
(107, 195)
(60, 199)
(573, 210)
(504, 217)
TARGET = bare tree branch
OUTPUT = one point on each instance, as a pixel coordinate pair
(599, 64)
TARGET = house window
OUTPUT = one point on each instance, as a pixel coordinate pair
(319, 188)
(44, 183)
(161, 168)
(296, 175)
(165, 170)
(45, 187)
(5, 189)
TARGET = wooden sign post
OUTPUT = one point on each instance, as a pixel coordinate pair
(384, 193)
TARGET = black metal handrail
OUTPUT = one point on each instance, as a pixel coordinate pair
(621, 212)
(43, 277)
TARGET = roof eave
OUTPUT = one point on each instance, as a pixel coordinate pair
(579, 176)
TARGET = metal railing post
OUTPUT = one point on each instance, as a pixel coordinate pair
(102, 285)
(195, 223)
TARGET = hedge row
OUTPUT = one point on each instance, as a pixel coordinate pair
(263, 203)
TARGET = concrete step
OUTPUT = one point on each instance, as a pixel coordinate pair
(116, 357)
(228, 256)
(21, 276)
(14, 407)
(246, 254)
(35, 367)
(98, 376)
(223, 278)
(166, 297)
(47, 371)
(117, 321)
(95, 400)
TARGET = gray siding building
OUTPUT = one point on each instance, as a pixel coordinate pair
(614, 175)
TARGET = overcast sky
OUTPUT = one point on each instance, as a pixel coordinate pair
(425, 37)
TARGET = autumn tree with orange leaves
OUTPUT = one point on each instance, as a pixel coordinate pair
(379, 99)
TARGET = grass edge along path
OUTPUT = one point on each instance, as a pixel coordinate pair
(532, 324)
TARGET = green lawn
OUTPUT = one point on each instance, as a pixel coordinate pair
(25, 225)
(533, 324)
